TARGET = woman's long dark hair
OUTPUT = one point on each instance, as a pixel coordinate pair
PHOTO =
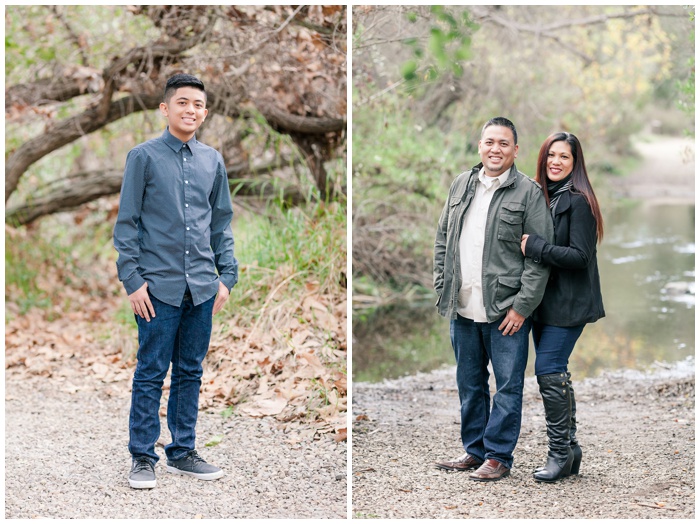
(579, 176)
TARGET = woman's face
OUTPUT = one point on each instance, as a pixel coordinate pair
(560, 161)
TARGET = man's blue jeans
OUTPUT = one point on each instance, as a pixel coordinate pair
(490, 432)
(179, 335)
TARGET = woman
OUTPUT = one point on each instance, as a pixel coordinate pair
(572, 298)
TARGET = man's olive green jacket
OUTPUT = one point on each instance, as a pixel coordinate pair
(508, 278)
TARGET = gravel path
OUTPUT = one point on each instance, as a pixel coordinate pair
(66, 457)
(636, 431)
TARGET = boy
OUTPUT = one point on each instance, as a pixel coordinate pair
(173, 234)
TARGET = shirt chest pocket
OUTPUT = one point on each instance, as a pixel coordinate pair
(510, 222)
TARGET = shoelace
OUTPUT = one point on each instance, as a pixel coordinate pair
(194, 456)
(141, 464)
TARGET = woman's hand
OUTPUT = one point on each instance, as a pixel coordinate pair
(523, 242)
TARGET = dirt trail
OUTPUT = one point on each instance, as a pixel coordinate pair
(66, 457)
(636, 431)
(666, 173)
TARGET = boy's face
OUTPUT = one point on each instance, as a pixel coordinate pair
(185, 111)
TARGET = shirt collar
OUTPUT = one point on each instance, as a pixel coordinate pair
(175, 143)
(496, 182)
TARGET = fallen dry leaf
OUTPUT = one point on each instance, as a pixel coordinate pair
(264, 407)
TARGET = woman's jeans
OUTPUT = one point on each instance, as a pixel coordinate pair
(177, 335)
(553, 347)
(490, 432)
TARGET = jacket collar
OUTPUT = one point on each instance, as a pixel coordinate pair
(512, 176)
(563, 203)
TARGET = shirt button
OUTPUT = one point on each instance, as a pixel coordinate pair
(187, 252)
(188, 229)
(185, 159)
(187, 205)
(187, 275)
(187, 181)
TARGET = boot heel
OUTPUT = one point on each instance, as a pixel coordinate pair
(578, 455)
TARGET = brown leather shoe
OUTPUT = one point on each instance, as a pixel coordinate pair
(463, 463)
(489, 471)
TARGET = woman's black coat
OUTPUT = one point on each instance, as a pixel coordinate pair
(573, 296)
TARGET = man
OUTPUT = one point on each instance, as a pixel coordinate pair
(173, 236)
(489, 289)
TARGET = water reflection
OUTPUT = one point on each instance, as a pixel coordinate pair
(647, 272)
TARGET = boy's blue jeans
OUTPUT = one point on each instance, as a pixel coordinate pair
(490, 432)
(179, 335)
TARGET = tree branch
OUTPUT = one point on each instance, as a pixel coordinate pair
(66, 132)
(80, 188)
(307, 125)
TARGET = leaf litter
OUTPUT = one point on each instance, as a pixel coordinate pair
(290, 365)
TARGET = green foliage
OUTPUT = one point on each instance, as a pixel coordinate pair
(302, 245)
(34, 36)
(397, 157)
(401, 170)
(687, 87)
(214, 441)
(26, 261)
(449, 46)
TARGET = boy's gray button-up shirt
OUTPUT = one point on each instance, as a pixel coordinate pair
(173, 229)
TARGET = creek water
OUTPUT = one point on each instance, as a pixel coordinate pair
(647, 270)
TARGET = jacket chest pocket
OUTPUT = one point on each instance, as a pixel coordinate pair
(510, 222)
(453, 212)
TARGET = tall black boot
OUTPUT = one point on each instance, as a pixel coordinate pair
(557, 410)
(578, 454)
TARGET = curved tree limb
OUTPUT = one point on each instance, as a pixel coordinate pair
(68, 131)
(306, 125)
(80, 188)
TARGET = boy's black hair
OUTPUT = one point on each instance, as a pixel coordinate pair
(182, 80)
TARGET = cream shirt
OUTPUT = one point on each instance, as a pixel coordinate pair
(471, 247)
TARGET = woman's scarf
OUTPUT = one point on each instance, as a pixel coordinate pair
(557, 189)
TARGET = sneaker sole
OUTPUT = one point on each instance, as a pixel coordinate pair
(201, 476)
(142, 484)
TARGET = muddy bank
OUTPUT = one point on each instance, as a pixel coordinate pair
(636, 430)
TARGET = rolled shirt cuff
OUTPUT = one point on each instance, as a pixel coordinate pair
(133, 283)
(229, 280)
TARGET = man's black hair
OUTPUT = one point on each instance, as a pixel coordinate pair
(179, 80)
(503, 122)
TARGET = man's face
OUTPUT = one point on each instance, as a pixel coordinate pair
(497, 150)
(185, 111)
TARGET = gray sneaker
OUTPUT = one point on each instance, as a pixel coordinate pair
(142, 474)
(194, 466)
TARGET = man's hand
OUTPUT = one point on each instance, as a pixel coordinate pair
(523, 242)
(221, 298)
(141, 303)
(511, 323)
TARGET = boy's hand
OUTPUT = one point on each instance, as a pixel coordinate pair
(221, 298)
(141, 303)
